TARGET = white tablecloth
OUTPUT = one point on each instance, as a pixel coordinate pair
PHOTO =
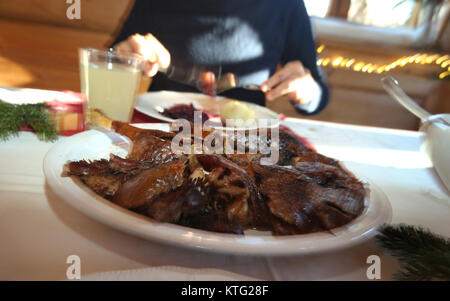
(38, 231)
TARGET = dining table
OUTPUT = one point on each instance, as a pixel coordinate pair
(39, 231)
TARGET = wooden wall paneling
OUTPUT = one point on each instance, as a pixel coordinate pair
(415, 86)
(46, 55)
(357, 107)
(438, 102)
(97, 15)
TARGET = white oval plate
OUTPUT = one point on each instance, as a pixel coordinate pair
(95, 144)
(154, 103)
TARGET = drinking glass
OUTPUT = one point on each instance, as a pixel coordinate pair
(110, 82)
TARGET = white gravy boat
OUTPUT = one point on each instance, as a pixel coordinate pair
(436, 128)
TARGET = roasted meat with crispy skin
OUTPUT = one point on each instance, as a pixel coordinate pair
(150, 184)
(228, 191)
(304, 192)
(290, 147)
(343, 190)
(135, 133)
(168, 207)
(152, 148)
(103, 176)
(306, 202)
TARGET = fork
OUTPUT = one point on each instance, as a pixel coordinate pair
(230, 81)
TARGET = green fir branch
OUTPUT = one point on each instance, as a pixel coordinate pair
(10, 121)
(13, 116)
(422, 255)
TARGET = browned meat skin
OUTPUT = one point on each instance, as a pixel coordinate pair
(290, 147)
(151, 148)
(280, 227)
(189, 199)
(167, 207)
(102, 167)
(287, 197)
(324, 174)
(213, 219)
(226, 193)
(208, 210)
(205, 208)
(197, 197)
(314, 157)
(342, 189)
(224, 207)
(128, 166)
(151, 183)
(133, 132)
(244, 161)
(330, 216)
(104, 185)
(105, 177)
(238, 210)
(298, 200)
(257, 208)
(86, 168)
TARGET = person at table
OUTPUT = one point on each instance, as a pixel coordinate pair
(264, 42)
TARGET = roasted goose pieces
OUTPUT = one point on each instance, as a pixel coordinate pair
(216, 194)
(290, 147)
(135, 133)
(309, 203)
(226, 193)
(98, 120)
(232, 189)
(150, 184)
(105, 177)
(344, 191)
(152, 148)
(218, 201)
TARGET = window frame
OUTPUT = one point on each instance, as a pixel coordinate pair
(420, 36)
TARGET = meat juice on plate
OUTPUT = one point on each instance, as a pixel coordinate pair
(110, 87)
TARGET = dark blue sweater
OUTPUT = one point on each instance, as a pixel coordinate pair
(246, 37)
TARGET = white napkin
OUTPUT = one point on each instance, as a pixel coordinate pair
(32, 96)
(167, 273)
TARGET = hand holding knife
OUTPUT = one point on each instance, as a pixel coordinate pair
(207, 79)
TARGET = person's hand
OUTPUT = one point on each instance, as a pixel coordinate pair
(292, 80)
(153, 52)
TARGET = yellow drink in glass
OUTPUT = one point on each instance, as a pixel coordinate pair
(110, 82)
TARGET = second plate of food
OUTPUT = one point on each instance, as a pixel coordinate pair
(158, 105)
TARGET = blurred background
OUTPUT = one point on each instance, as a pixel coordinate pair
(358, 42)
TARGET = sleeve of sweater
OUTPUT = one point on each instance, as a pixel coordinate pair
(300, 45)
(135, 22)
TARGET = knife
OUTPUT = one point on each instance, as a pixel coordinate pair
(207, 79)
(202, 77)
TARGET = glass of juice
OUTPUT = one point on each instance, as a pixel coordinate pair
(110, 82)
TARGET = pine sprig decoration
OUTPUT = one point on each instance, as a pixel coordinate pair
(13, 116)
(10, 122)
(422, 255)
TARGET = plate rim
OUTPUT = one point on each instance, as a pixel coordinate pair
(106, 212)
(140, 107)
